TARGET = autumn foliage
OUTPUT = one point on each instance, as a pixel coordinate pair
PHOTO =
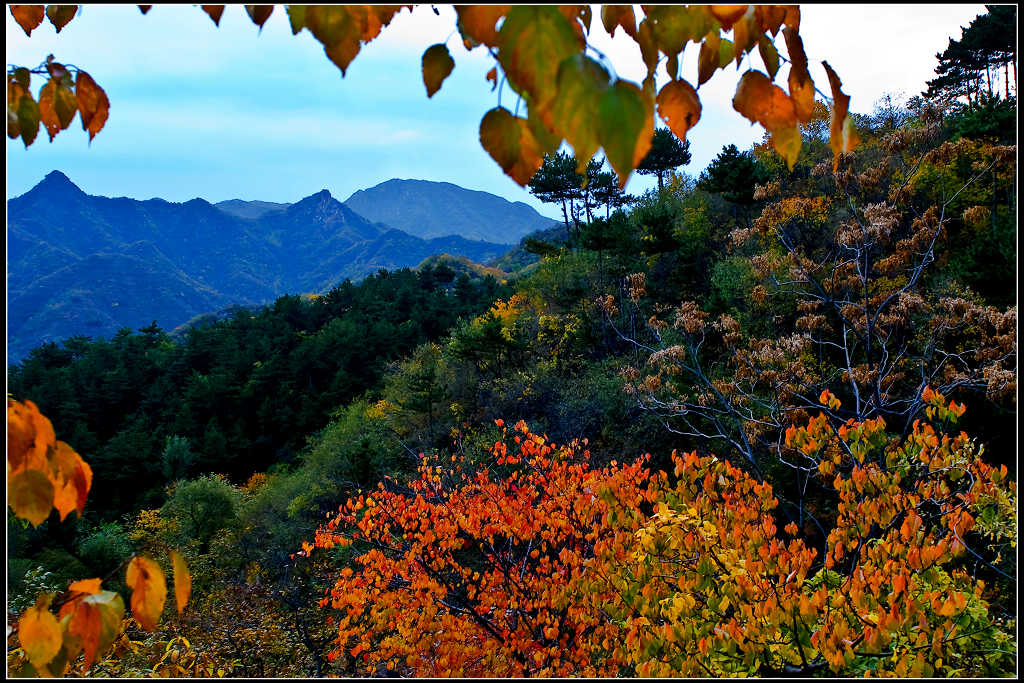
(535, 563)
(43, 475)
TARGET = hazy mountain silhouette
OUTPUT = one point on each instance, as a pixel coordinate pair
(429, 209)
(84, 264)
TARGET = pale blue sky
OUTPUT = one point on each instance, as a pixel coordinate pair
(230, 112)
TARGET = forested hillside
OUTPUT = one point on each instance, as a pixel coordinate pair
(759, 421)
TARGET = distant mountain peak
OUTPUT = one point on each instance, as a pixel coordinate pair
(56, 181)
(429, 209)
(318, 199)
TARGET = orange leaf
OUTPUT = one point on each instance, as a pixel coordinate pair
(508, 140)
(614, 16)
(86, 624)
(477, 22)
(28, 16)
(679, 106)
(39, 633)
(182, 580)
(342, 53)
(85, 586)
(762, 102)
(93, 105)
(801, 87)
(149, 591)
(843, 136)
(29, 436)
(793, 17)
(728, 15)
(95, 622)
(72, 480)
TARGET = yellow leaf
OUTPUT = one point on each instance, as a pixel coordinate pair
(182, 580)
(437, 65)
(786, 142)
(679, 106)
(149, 591)
(30, 495)
(39, 633)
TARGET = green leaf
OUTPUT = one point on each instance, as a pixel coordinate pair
(708, 58)
(23, 76)
(60, 15)
(532, 44)
(437, 65)
(582, 82)
(297, 17)
(625, 126)
(769, 55)
(672, 26)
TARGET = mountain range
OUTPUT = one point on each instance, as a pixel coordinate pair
(79, 264)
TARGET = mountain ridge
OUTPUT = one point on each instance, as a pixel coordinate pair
(74, 259)
(427, 209)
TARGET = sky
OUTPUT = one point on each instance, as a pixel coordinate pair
(235, 112)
